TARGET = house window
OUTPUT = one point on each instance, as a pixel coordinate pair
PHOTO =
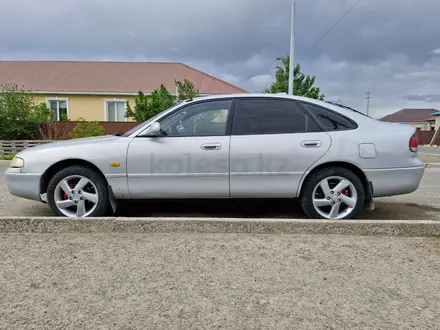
(59, 108)
(115, 110)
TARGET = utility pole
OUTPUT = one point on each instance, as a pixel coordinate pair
(368, 103)
(292, 44)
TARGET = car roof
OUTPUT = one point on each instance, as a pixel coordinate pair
(358, 117)
(242, 95)
(332, 106)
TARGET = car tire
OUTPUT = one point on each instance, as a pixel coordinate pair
(347, 202)
(89, 200)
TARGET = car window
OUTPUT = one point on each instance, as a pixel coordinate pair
(268, 116)
(201, 119)
(134, 129)
(329, 120)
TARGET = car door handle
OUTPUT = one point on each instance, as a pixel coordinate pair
(211, 146)
(311, 144)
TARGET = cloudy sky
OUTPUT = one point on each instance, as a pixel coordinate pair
(388, 47)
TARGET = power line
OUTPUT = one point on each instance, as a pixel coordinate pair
(332, 26)
(270, 72)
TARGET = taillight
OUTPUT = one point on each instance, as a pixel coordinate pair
(414, 143)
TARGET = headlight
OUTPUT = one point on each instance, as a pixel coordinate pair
(17, 162)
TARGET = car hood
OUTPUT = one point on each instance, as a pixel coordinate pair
(73, 142)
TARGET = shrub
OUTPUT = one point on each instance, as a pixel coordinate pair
(48, 132)
(86, 129)
(8, 156)
(146, 107)
(20, 114)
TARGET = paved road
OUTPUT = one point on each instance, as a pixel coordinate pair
(224, 281)
(421, 205)
(430, 150)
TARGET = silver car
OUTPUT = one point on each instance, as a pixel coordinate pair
(334, 159)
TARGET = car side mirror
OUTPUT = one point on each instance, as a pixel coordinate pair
(153, 130)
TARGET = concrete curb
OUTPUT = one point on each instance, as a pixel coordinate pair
(429, 154)
(432, 165)
(400, 228)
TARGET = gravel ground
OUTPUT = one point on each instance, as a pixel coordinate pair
(431, 150)
(432, 156)
(420, 205)
(189, 281)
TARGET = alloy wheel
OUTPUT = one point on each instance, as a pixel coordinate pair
(76, 196)
(334, 197)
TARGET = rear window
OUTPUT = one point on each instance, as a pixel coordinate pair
(268, 116)
(329, 120)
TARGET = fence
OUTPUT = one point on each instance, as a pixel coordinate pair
(8, 147)
(60, 131)
(425, 137)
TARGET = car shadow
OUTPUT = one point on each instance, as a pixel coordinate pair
(211, 208)
(401, 211)
(276, 209)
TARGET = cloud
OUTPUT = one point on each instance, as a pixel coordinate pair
(260, 82)
(430, 98)
(385, 47)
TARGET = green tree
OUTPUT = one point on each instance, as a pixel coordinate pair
(86, 128)
(186, 90)
(146, 107)
(20, 113)
(303, 85)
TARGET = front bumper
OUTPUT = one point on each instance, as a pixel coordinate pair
(24, 185)
(395, 181)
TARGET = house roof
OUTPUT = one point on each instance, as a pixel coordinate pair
(409, 116)
(107, 77)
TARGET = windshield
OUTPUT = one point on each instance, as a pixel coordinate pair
(347, 107)
(134, 129)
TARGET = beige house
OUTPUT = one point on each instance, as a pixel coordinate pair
(99, 90)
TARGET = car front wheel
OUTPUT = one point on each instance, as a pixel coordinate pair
(333, 193)
(78, 191)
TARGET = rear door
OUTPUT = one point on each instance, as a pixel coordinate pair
(273, 142)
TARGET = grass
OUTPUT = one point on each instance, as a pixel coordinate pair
(8, 156)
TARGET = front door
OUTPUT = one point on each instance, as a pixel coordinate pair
(189, 160)
(273, 143)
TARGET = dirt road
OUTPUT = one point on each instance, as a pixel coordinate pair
(222, 281)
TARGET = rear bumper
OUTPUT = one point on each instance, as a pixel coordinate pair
(395, 181)
(24, 185)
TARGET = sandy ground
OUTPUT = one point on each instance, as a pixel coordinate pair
(233, 281)
(432, 156)
(429, 150)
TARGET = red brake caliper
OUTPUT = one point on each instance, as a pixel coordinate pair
(64, 194)
(345, 192)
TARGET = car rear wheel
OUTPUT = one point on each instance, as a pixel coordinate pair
(78, 191)
(333, 193)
